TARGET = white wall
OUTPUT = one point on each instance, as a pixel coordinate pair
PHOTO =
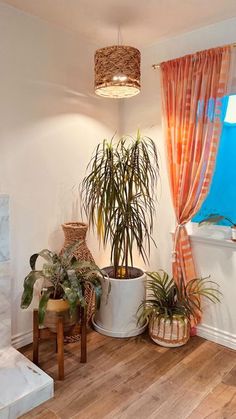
(50, 122)
(144, 111)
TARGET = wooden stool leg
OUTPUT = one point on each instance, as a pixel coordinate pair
(60, 348)
(56, 347)
(83, 357)
(36, 337)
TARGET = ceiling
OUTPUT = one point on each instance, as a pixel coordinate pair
(142, 22)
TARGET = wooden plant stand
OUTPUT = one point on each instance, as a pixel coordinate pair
(44, 333)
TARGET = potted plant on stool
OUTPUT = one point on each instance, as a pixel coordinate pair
(64, 285)
(118, 199)
(170, 307)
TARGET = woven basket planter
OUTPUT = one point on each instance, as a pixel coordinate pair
(73, 232)
(169, 334)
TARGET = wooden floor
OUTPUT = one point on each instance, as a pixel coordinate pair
(134, 378)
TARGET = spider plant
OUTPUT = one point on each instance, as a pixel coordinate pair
(65, 278)
(215, 218)
(170, 300)
(118, 196)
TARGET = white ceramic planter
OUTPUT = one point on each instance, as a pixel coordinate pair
(117, 315)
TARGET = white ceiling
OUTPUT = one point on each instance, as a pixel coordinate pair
(142, 22)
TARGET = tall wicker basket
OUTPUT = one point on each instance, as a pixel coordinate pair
(73, 232)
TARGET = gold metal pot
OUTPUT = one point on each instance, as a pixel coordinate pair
(59, 308)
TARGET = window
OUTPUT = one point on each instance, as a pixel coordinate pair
(221, 198)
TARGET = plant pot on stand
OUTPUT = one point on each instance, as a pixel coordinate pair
(63, 289)
(62, 302)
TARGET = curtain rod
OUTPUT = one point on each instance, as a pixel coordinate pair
(155, 66)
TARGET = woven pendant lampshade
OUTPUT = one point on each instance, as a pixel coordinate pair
(117, 71)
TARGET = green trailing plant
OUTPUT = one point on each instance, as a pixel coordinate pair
(170, 300)
(118, 197)
(64, 277)
(215, 218)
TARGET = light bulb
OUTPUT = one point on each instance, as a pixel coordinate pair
(119, 77)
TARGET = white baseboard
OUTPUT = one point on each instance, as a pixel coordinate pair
(207, 332)
(22, 339)
(216, 335)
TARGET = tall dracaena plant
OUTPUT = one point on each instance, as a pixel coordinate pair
(118, 197)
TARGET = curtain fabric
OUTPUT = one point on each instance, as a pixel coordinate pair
(192, 92)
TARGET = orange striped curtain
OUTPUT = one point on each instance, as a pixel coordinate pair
(192, 91)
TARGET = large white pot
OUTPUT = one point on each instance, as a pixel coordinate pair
(120, 300)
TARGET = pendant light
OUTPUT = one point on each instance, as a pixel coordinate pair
(117, 71)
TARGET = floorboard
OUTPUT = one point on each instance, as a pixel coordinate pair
(135, 378)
